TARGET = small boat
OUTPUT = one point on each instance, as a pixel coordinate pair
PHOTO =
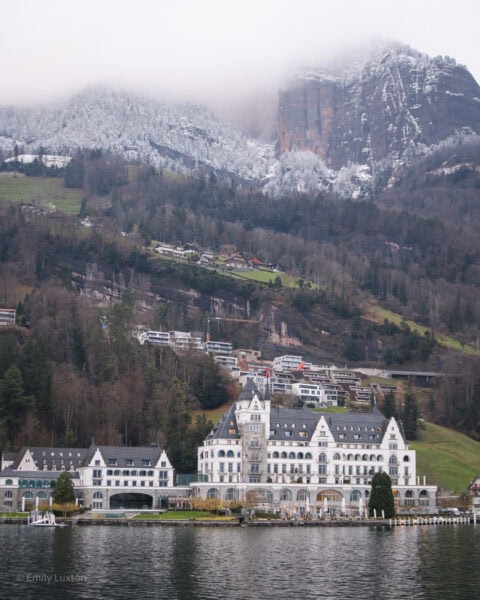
(39, 518)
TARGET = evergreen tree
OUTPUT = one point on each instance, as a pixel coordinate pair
(389, 406)
(63, 491)
(410, 416)
(14, 405)
(381, 496)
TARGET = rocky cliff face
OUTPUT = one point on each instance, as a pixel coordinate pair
(395, 99)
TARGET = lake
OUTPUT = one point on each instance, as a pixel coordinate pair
(183, 563)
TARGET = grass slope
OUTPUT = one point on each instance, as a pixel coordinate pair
(377, 314)
(449, 459)
(47, 193)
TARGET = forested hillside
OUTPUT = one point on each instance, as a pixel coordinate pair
(73, 370)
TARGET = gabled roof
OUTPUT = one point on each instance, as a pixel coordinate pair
(136, 454)
(357, 427)
(227, 427)
(249, 390)
(46, 457)
(294, 424)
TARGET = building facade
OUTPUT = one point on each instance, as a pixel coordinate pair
(299, 460)
(104, 477)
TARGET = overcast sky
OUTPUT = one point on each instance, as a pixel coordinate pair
(203, 49)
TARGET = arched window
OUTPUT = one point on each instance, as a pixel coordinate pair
(284, 455)
(231, 495)
(336, 456)
(358, 457)
(406, 458)
(322, 457)
(98, 495)
(41, 495)
(365, 457)
(380, 458)
(291, 455)
(28, 495)
(355, 496)
(409, 494)
(285, 495)
(221, 453)
(299, 455)
(392, 460)
(8, 494)
(213, 493)
(8, 482)
(308, 456)
(230, 454)
(373, 457)
(423, 494)
(275, 455)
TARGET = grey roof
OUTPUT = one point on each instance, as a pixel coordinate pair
(8, 455)
(73, 458)
(292, 424)
(357, 427)
(49, 456)
(137, 454)
(298, 424)
(248, 390)
(227, 427)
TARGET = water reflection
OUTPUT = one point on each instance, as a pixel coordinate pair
(185, 563)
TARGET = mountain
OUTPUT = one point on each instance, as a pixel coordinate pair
(184, 137)
(341, 129)
(378, 108)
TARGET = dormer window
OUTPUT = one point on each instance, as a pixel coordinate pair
(129, 462)
(146, 462)
(112, 462)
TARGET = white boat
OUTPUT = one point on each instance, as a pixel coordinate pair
(39, 518)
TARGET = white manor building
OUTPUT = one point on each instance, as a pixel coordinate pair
(104, 477)
(296, 460)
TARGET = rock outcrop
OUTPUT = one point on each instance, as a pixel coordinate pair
(382, 107)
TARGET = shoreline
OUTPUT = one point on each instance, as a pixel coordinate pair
(395, 522)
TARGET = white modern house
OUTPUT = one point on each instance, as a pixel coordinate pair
(298, 460)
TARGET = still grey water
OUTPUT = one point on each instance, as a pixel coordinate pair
(184, 563)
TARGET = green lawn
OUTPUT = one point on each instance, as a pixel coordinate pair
(44, 192)
(182, 515)
(449, 459)
(265, 277)
(377, 314)
(14, 515)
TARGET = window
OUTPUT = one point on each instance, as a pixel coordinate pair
(146, 462)
(112, 462)
(129, 462)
